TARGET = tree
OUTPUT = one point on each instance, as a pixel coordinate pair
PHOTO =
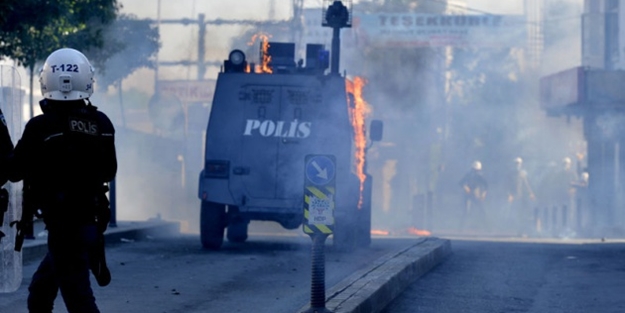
(34, 29)
(130, 44)
(6, 9)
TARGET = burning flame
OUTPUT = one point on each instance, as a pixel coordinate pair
(418, 232)
(358, 112)
(265, 58)
(380, 232)
(411, 231)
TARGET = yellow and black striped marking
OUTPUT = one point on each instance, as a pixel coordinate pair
(319, 210)
(319, 191)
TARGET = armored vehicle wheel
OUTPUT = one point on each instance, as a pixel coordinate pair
(237, 230)
(291, 222)
(212, 225)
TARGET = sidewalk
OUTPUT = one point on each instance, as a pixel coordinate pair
(35, 249)
(371, 289)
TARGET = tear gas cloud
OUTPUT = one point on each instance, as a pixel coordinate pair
(442, 108)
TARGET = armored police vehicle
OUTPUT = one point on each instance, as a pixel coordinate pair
(263, 125)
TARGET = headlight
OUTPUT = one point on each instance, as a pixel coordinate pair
(236, 57)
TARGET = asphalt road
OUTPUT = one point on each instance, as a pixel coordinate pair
(269, 273)
(483, 277)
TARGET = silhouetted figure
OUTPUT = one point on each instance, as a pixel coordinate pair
(474, 187)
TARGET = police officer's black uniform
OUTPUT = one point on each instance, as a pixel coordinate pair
(65, 156)
(475, 187)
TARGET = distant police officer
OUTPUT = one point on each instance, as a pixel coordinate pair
(475, 188)
(65, 156)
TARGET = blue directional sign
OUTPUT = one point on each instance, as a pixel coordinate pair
(320, 170)
(319, 190)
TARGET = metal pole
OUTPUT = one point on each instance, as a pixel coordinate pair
(318, 287)
(336, 50)
(201, 49)
(337, 17)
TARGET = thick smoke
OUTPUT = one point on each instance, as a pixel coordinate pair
(158, 175)
(159, 161)
(443, 108)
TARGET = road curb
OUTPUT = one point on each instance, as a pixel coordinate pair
(371, 289)
(35, 250)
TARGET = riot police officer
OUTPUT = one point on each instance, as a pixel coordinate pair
(475, 188)
(65, 156)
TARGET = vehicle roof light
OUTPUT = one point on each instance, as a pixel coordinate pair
(237, 57)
